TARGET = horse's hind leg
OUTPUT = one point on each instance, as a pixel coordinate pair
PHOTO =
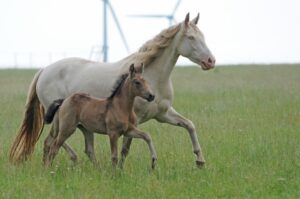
(89, 144)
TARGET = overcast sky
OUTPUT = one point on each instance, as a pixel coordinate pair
(237, 31)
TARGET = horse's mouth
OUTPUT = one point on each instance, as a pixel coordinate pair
(206, 66)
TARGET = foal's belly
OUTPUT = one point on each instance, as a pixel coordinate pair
(98, 127)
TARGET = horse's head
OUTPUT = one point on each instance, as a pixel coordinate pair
(139, 86)
(192, 44)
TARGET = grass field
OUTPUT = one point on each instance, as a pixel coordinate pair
(248, 122)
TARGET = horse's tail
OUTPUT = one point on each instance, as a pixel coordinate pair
(52, 110)
(31, 127)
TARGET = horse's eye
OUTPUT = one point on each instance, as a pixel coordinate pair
(191, 37)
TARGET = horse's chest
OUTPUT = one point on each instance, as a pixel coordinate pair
(148, 110)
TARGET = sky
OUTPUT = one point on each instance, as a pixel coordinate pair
(39, 32)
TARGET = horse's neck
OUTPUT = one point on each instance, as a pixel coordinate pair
(161, 68)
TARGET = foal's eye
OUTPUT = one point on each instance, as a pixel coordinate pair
(137, 83)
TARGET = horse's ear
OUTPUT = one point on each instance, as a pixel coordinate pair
(196, 19)
(132, 71)
(187, 19)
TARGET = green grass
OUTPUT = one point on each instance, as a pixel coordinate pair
(248, 122)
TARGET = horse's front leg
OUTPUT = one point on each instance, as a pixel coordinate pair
(174, 118)
(136, 133)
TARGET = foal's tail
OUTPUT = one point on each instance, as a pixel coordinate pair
(52, 110)
(31, 127)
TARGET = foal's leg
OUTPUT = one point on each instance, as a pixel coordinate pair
(89, 143)
(113, 137)
(125, 150)
(174, 118)
(47, 143)
(135, 133)
(50, 138)
(70, 151)
(63, 135)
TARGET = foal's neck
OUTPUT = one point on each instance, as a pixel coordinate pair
(125, 99)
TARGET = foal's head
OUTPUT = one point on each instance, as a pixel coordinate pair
(138, 85)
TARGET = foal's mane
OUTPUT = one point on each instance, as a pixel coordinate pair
(117, 86)
(153, 48)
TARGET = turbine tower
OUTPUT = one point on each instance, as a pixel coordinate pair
(170, 17)
(105, 47)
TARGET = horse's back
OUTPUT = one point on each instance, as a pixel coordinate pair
(71, 75)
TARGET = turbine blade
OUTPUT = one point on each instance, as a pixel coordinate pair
(150, 16)
(176, 7)
(119, 27)
(175, 21)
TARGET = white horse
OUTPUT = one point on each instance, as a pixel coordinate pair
(68, 76)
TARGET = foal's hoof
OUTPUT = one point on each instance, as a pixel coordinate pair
(74, 158)
(200, 164)
(121, 164)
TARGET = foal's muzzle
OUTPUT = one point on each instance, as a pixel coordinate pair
(150, 98)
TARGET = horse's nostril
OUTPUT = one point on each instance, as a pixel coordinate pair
(211, 60)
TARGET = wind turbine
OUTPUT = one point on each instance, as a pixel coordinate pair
(169, 17)
(107, 5)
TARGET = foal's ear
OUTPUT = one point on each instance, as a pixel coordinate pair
(187, 19)
(132, 71)
(196, 19)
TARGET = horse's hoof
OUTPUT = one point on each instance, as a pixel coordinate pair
(153, 163)
(200, 164)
